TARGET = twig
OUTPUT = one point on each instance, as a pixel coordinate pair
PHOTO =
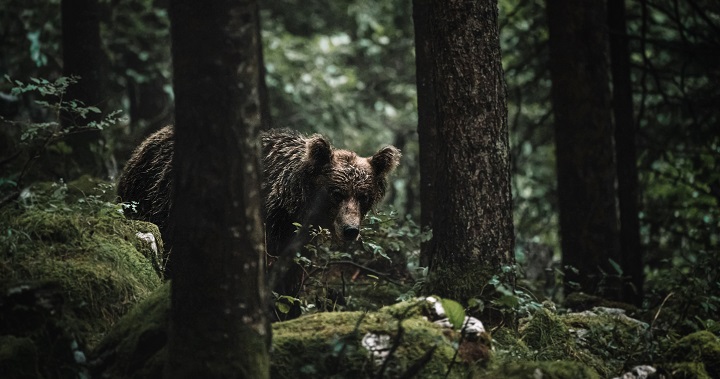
(419, 364)
(9, 197)
(382, 275)
(660, 309)
(393, 348)
(462, 337)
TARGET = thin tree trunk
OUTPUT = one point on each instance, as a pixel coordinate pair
(631, 250)
(218, 324)
(583, 138)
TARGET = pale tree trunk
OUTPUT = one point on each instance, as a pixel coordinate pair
(218, 326)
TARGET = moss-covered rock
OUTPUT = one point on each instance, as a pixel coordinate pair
(136, 345)
(603, 339)
(700, 351)
(540, 369)
(333, 344)
(85, 245)
(686, 370)
(70, 266)
(549, 338)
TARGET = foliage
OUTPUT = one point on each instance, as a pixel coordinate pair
(702, 348)
(30, 38)
(74, 235)
(71, 265)
(511, 300)
(383, 263)
(319, 345)
(523, 39)
(347, 71)
(37, 141)
(690, 286)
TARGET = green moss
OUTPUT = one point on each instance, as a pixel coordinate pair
(410, 308)
(317, 345)
(459, 282)
(509, 346)
(329, 344)
(136, 346)
(609, 335)
(686, 370)
(545, 370)
(700, 347)
(548, 338)
(371, 296)
(84, 245)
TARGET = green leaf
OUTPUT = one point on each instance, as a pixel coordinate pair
(454, 312)
(509, 301)
(476, 303)
(616, 266)
(284, 308)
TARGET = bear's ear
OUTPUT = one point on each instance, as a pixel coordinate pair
(319, 152)
(385, 160)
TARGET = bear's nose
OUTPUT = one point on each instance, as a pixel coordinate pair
(350, 233)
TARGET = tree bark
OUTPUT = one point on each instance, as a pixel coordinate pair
(626, 157)
(218, 324)
(83, 57)
(472, 224)
(583, 136)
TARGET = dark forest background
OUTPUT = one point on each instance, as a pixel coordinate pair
(347, 70)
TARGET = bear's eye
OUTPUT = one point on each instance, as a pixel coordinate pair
(337, 195)
(363, 199)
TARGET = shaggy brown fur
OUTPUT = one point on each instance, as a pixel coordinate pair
(306, 180)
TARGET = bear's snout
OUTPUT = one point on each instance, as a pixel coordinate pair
(347, 222)
(351, 233)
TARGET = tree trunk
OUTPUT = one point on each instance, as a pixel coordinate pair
(83, 57)
(631, 250)
(583, 137)
(218, 324)
(472, 227)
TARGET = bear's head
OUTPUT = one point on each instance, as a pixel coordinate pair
(347, 186)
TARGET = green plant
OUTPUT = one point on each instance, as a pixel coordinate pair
(381, 264)
(38, 139)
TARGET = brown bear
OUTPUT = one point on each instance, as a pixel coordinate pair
(306, 181)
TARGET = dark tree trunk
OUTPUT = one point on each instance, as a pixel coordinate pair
(218, 324)
(472, 219)
(583, 137)
(427, 129)
(625, 133)
(83, 57)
